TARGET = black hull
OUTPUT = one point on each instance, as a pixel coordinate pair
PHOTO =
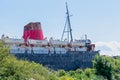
(68, 61)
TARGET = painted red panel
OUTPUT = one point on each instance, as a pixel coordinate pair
(33, 31)
(33, 34)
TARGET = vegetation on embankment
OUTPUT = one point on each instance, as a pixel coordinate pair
(104, 68)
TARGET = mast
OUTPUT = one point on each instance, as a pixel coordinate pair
(68, 24)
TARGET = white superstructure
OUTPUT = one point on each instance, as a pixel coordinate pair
(47, 47)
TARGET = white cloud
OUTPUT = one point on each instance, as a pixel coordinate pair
(108, 48)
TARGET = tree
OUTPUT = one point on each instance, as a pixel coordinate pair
(103, 66)
(13, 69)
(117, 68)
(61, 73)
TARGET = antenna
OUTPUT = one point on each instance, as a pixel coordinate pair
(67, 26)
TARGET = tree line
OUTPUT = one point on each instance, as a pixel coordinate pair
(104, 68)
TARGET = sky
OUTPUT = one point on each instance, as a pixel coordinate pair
(108, 48)
(99, 19)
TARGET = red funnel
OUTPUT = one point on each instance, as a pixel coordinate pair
(33, 31)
